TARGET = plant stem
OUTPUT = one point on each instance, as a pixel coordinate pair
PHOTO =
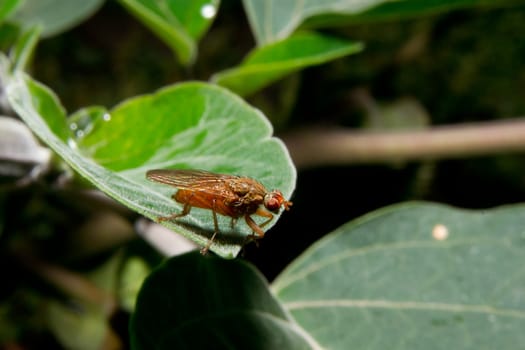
(318, 147)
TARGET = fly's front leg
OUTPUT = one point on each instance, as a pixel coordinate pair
(258, 232)
(266, 214)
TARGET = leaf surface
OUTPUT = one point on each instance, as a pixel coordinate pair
(274, 20)
(272, 62)
(386, 281)
(195, 302)
(54, 16)
(180, 24)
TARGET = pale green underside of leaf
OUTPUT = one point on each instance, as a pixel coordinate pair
(383, 281)
(191, 125)
(272, 62)
(54, 16)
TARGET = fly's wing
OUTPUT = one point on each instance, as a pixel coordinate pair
(193, 180)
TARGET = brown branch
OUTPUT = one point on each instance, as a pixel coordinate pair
(318, 147)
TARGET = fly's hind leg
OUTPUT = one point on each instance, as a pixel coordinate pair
(185, 211)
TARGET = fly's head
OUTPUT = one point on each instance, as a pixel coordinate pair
(274, 200)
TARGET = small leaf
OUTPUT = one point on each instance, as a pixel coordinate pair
(272, 62)
(54, 16)
(191, 125)
(195, 302)
(395, 10)
(134, 272)
(178, 23)
(22, 51)
(7, 7)
(79, 326)
(273, 20)
(413, 276)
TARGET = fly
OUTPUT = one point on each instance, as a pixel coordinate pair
(228, 195)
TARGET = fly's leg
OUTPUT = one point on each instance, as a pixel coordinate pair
(185, 211)
(205, 249)
(266, 214)
(258, 233)
(257, 230)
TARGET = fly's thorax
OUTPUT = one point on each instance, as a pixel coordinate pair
(246, 203)
(245, 186)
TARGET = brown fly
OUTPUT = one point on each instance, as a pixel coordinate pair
(228, 195)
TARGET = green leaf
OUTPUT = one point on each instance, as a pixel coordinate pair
(81, 324)
(274, 20)
(195, 302)
(24, 47)
(54, 16)
(191, 125)
(270, 63)
(84, 330)
(395, 10)
(178, 23)
(394, 279)
(7, 7)
(134, 272)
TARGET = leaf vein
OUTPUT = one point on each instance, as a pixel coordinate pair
(403, 305)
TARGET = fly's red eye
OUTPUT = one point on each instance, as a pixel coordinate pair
(273, 204)
(273, 201)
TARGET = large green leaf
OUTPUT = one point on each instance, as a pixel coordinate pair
(273, 20)
(180, 24)
(414, 276)
(272, 62)
(54, 16)
(195, 302)
(191, 125)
